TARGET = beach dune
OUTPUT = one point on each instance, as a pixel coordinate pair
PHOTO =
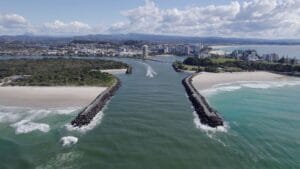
(206, 80)
(48, 97)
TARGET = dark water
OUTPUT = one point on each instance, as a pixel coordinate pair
(150, 124)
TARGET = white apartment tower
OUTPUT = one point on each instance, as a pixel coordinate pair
(145, 51)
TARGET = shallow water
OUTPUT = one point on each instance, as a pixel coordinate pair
(150, 123)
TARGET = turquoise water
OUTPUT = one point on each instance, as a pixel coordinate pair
(150, 124)
(264, 125)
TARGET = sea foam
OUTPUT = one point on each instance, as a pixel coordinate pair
(24, 126)
(96, 120)
(62, 160)
(24, 119)
(207, 128)
(68, 140)
(6, 117)
(210, 131)
(228, 87)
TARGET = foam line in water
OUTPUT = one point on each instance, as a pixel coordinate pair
(228, 87)
(6, 117)
(23, 120)
(210, 131)
(207, 128)
(68, 141)
(24, 126)
(62, 160)
(14, 114)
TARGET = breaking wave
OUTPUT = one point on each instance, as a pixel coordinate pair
(207, 128)
(210, 131)
(25, 126)
(228, 87)
(24, 120)
(96, 120)
(68, 141)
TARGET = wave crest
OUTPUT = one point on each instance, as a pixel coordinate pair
(96, 120)
(24, 119)
(25, 126)
(68, 141)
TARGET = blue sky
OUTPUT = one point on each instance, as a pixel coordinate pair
(225, 18)
(88, 11)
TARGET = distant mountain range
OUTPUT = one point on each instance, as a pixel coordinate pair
(149, 38)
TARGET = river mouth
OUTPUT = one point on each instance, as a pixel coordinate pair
(149, 123)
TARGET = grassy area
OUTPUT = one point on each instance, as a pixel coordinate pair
(58, 72)
(233, 65)
(187, 67)
(222, 60)
(182, 66)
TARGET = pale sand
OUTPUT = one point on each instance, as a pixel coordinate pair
(48, 97)
(115, 71)
(207, 80)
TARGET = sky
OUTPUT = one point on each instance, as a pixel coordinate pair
(272, 19)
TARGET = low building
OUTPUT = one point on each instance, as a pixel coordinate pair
(246, 55)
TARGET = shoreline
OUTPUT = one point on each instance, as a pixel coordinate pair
(205, 80)
(197, 83)
(90, 111)
(48, 97)
(114, 71)
(207, 115)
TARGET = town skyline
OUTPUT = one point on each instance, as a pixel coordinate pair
(240, 19)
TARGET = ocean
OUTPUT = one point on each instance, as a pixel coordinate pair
(151, 124)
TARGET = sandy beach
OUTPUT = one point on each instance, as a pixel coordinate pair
(206, 80)
(115, 71)
(48, 97)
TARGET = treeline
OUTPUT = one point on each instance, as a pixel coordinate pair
(59, 72)
(214, 66)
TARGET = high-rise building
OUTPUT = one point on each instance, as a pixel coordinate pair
(198, 49)
(166, 49)
(187, 50)
(145, 51)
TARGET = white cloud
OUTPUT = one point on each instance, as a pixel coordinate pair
(12, 20)
(59, 27)
(252, 18)
(13, 23)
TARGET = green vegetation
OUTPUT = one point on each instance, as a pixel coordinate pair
(233, 65)
(182, 66)
(58, 72)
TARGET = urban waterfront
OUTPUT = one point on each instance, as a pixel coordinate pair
(150, 123)
(291, 51)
